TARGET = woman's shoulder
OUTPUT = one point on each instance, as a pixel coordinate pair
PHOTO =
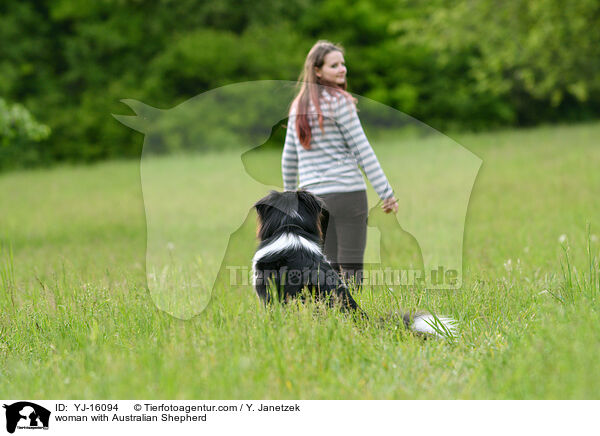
(336, 95)
(339, 100)
(345, 105)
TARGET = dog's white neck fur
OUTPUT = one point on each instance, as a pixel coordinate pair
(287, 241)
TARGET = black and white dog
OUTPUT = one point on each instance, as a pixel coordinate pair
(289, 259)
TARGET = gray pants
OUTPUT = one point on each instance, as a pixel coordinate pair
(345, 232)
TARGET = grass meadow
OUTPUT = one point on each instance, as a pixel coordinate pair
(77, 319)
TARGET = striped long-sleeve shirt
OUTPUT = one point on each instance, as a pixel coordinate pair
(335, 155)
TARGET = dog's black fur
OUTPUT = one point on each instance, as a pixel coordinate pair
(290, 223)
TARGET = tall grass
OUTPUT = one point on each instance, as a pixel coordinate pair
(7, 276)
(78, 321)
(577, 285)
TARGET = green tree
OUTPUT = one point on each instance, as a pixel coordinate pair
(20, 136)
(540, 58)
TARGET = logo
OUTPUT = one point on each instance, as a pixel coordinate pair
(421, 245)
(26, 415)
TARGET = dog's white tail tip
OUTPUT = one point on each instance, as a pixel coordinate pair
(441, 327)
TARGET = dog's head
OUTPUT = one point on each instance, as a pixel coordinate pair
(294, 208)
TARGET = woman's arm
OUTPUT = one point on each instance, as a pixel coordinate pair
(357, 141)
(289, 158)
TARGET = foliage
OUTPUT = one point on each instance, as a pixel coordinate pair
(460, 64)
(534, 60)
(20, 134)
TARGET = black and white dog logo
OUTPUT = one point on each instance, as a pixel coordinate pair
(26, 415)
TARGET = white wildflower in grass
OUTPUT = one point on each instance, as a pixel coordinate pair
(526, 249)
(508, 265)
(170, 246)
(594, 238)
(563, 239)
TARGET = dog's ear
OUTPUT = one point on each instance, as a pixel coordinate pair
(316, 209)
(265, 204)
(312, 203)
(261, 207)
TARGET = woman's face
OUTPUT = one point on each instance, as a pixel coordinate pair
(333, 69)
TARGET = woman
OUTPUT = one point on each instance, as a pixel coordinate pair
(325, 145)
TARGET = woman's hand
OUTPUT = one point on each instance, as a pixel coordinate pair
(390, 204)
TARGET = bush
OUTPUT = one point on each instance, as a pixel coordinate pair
(20, 137)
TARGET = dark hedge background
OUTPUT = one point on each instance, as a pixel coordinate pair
(458, 64)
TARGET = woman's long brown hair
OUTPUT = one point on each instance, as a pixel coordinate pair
(310, 87)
